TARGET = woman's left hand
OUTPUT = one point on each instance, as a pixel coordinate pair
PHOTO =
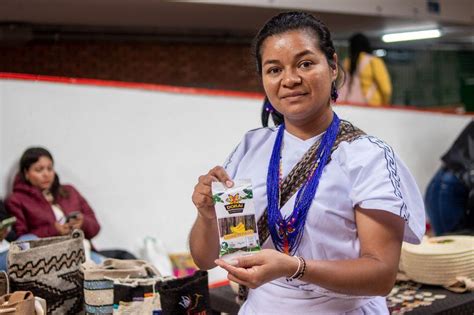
(77, 222)
(260, 268)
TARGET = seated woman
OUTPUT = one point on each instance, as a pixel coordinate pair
(42, 206)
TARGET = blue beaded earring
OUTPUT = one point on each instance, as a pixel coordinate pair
(334, 93)
(269, 107)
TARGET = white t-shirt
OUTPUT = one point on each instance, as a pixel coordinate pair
(364, 172)
(58, 213)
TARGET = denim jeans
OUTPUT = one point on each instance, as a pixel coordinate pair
(446, 201)
(4, 255)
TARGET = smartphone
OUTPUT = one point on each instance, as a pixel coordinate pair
(72, 215)
(7, 222)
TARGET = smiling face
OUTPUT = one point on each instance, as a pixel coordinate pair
(296, 76)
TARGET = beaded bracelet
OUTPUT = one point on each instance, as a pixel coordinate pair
(301, 274)
(290, 278)
(299, 271)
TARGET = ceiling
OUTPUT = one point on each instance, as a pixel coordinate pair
(23, 20)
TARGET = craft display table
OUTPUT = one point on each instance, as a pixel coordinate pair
(223, 301)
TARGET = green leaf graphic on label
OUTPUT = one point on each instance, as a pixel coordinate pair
(248, 194)
(217, 198)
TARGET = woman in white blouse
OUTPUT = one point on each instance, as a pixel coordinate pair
(333, 245)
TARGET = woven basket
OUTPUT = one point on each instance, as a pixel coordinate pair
(439, 260)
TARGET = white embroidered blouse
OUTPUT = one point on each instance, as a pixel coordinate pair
(364, 172)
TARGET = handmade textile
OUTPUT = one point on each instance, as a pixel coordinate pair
(364, 172)
(186, 296)
(49, 268)
(99, 281)
(136, 296)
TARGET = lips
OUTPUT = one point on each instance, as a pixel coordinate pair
(293, 95)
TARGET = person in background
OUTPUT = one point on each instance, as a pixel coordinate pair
(333, 204)
(43, 206)
(367, 78)
(7, 235)
(449, 197)
(6, 221)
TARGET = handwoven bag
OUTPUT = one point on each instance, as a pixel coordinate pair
(49, 268)
(186, 296)
(17, 303)
(136, 296)
(99, 281)
(4, 283)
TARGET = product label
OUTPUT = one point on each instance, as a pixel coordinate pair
(236, 220)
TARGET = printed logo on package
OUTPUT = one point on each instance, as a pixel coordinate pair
(233, 203)
(235, 212)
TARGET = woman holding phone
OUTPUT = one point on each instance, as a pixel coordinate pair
(43, 206)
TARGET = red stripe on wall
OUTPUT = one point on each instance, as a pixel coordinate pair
(129, 85)
(189, 90)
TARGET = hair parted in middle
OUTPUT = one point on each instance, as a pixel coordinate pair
(289, 21)
(295, 20)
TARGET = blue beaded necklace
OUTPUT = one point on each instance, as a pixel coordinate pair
(287, 232)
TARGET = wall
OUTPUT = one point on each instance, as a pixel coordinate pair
(136, 154)
(226, 66)
(208, 65)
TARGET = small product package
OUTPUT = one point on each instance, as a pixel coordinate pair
(236, 221)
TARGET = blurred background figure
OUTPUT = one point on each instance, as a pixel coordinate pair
(367, 79)
(450, 194)
(43, 207)
(6, 221)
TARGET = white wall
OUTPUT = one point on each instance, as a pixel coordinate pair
(419, 138)
(136, 155)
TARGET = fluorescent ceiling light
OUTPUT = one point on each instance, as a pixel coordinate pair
(400, 37)
(380, 52)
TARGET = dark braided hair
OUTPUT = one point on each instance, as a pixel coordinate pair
(285, 22)
(269, 111)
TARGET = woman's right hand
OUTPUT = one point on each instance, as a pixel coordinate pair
(202, 195)
(63, 229)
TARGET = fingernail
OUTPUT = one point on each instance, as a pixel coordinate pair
(229, 183)
(233, 262)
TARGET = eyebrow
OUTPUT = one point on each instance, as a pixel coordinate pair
(297, 56)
